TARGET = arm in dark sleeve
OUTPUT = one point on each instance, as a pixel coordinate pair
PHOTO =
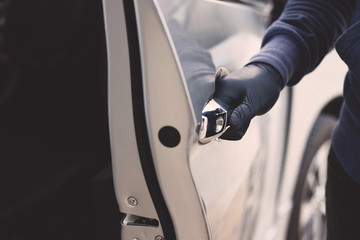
(305, 32)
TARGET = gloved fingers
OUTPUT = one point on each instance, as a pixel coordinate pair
(241, 116)
(221, 89)
(239, 121)
(233, 134)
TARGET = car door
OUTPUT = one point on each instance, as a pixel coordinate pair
(162, 59)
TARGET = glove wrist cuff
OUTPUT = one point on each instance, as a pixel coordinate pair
(273, 72)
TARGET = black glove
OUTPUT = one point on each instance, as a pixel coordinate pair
(246, 93)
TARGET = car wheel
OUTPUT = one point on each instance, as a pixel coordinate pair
(308, 219)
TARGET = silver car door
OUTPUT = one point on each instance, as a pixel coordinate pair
(167, 183)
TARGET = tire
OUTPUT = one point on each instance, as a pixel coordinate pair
(308, 218)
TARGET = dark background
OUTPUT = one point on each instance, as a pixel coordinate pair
(55, 162)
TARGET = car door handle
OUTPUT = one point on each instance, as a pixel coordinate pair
(213, 122)
(214, 116)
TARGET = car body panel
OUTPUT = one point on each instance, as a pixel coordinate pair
(315, 91)
(128, 175)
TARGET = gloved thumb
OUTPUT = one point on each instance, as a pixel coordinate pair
(239, 122)
(241, 117)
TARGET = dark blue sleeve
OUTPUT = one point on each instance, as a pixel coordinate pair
(305, 32)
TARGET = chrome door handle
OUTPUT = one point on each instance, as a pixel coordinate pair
(213, 122)
(214, 116)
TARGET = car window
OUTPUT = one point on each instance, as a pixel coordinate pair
(209, 34)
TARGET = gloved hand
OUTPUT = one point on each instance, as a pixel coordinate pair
(246, 93)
